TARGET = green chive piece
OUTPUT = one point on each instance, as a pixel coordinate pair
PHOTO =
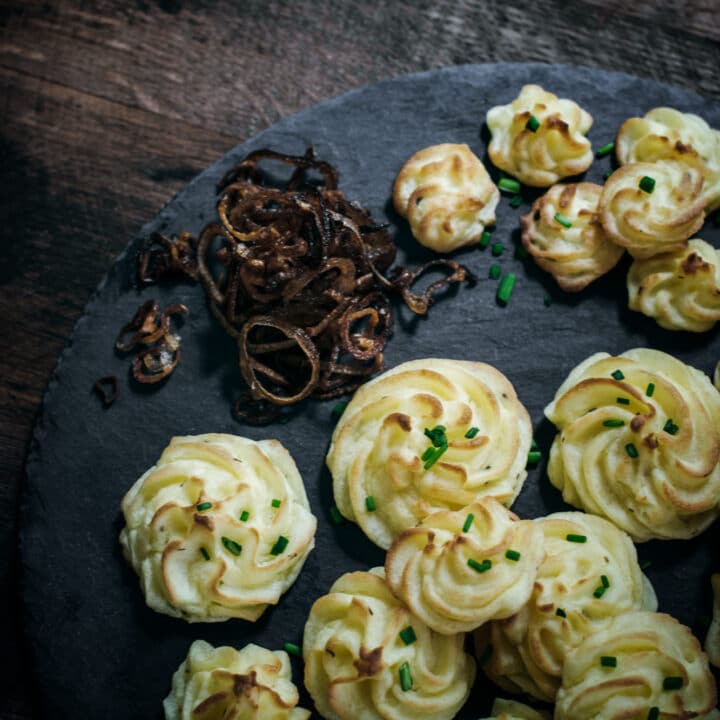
(645, 564)
(534, 457)
(532, 124)
(562, 220)
(576, 538)
(607, 174)
(604, 580)
(560, 613)
(623, 401)
(406, 681)
(497, 249)
(650, 389)
(428, 454)
(618, 375)
(203, 506)
(480, 567)
(605, 149)
(505, 289)
(484, 240)
(494, 271)
(599, 591)
(512, 186)
(521, 253)
(716, 219)
(614, 423)
(244, 515)
(276, 503)
(653, 713)
(292, 649)
(370, 503)
(231, 546)
(437, 454)
(672, 683)
(468, 522)
(513, 555)
(485, 656)
(647, 184)
(608, 661)
(408, 635)
(437, 435)
(671, 428)
(280, 544)
(204, 553)
(547, 300)
(336, 516)
(472, 432)
(339, 409)
(631, 450)
(533, 444)
(516, 201)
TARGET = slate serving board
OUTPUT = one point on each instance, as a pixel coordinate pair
(97, 650)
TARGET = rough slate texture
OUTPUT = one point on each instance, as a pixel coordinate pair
(85, 612)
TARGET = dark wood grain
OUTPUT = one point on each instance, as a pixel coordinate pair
(108, 107)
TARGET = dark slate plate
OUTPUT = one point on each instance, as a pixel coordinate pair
(98, 651)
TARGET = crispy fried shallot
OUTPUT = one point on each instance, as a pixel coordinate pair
(106, 388)
(161, 258)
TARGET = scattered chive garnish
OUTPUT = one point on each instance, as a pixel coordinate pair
(497, 249)
(437, 454)
(547, 300)
(480, 567)
(204, 553)
(560, 613)
(672, 683)
(494, 271)
(280, 544)
(534, 457)
(436, 435)
(516, 201)
(613, 423)
(486, 655)
(631, 450)
(472, 432)
(505, 289)
(512, 555)
(468, 522)
(576, 538)
(607, 174)
(650, 389)
(533, 444)
(244, 515)
(276, 503)
(512, 186)
(428, 454)
(618, 375)
(599, 591)
(406, 681)
(370, 503)
(521, 253)
(484, 240)
(623, 401)
(562, 220)
(408, 635)
(604, 580)
(716, 219)
(671, 428)
(292, 649)
(608, 661)
(605, 149)
(645, 564)
(653, 713)
(335, 515)
(231, 546)
(647, 184)
(204, 506)
(339, 409)
(532, 124)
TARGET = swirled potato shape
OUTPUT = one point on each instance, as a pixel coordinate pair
(253, 683)
(558, 147)
(638, 443)
(574, 255)
(511, 710)
(657, 664)
(367, 657)
(457, 570)
(679, 289)
(220, 527)
(446, 194)
(650, 223)
(380, 479)
(668, 134)
(712, 640)
(583, 554)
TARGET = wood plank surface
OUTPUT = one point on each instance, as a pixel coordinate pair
(108, 107)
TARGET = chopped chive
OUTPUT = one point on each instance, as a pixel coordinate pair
(645, 564)
(512, 555)
(623, 401)
(494, 271)
(631, 450)
(280, 544)
(532, 124)
(276, 503)
(497, 249)
(547, 300)
(618, 375)
(468, 522)
(370, 503)
(533, 444)
(560, 613)
(599, 591)
(339, 409)
(613, 423)
(653, 713)
(650, 389)
(428, 454)
(534, 457)
(512, 186)
(480, 567)
(244, 515)
(406, 681)
(437, 435)
(607, 174)
(604, 580)
(671, 428)
(605, 149)
(521, 253)
(505, 289)
(292, 649)
(608, 661)
(231, 546)
(484, 240)
(716, 219)
(204, 506)
(562, 220)
(472, 432)
(336, 516)
(672, 683)
(437, 454)
(516, 201)
(408, 635)
(647, 184)
(204, 553)
(576, 538)
(486, 655)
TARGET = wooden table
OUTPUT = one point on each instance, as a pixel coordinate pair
(110, 106)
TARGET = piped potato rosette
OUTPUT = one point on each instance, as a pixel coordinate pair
(652, 208)
(220, 527)
(447, 196)
(367, 657)
(540, 138)
(638, 443)
(563, 234)
(249, 684)
(668, 134)
(590, 575)
(680, 289)
(642, 665)
(458, 570)
(427, 435)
